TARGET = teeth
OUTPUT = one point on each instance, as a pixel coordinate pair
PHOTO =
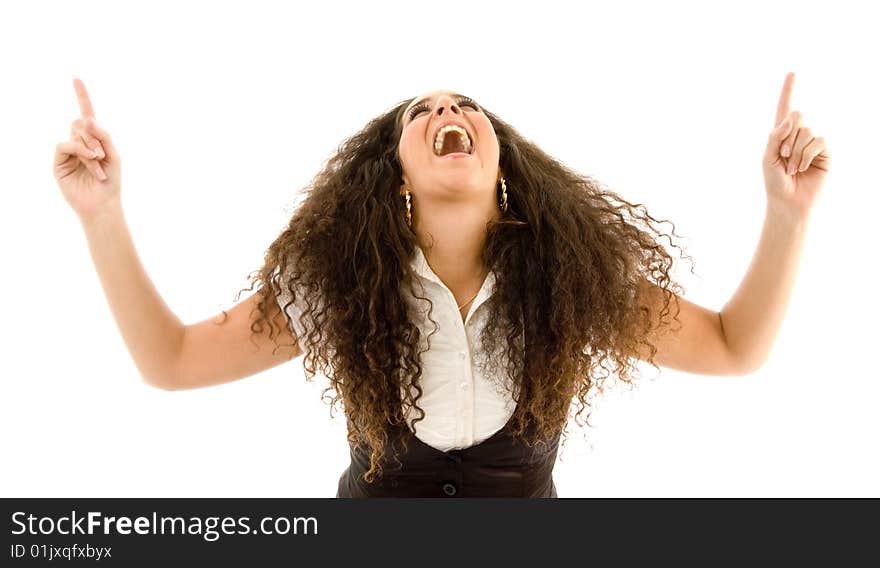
(441, 134)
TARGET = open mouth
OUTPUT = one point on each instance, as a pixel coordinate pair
(453, 140)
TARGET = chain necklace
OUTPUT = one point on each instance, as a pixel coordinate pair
(474, 296)
(469, 301)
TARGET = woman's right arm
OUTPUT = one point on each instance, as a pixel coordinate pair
(168, 354)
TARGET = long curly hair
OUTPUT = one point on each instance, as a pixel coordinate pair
(567, 313)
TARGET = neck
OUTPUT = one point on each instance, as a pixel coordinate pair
(452, 235)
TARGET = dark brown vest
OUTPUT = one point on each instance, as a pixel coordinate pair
(499, 466)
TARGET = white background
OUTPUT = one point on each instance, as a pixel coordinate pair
(223, 112)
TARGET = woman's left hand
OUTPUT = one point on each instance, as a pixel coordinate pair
(796, 161)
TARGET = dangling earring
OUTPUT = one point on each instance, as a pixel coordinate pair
(408, 209)
(503, 194)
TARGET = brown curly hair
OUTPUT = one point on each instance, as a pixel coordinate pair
(567, 313)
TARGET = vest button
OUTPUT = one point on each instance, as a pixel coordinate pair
(449, 489)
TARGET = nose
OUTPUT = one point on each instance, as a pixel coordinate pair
(444, 104)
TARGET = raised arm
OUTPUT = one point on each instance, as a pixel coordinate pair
(223, 349)
(738, 339)
(168, 354)
(695, 343)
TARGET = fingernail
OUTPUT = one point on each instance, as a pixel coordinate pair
(785, 151)
(791, 168)
(803, 167)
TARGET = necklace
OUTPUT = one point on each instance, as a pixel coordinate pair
(472, 298)
(469, 301)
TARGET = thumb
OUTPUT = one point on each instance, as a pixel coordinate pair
(104, 138)
(777, 135)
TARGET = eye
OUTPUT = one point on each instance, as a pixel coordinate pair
(465, 101)
(416, 110)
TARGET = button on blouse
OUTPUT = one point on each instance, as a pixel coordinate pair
(462, 406)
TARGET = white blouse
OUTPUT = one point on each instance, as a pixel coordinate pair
(462, 406)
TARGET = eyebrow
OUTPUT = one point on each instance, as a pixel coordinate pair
(423, 99)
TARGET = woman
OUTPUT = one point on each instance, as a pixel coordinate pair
(460, 289)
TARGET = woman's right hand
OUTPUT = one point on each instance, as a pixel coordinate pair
(87, 167)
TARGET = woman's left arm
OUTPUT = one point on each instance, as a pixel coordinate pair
(796, 164)
(738, 339)
(751, 319)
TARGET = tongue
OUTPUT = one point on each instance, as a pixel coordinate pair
(452, 143)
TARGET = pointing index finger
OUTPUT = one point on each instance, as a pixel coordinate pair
(784, 105)
(85, 105)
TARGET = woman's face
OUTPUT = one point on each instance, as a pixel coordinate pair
(426, 171)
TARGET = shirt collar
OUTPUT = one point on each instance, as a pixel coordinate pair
(421, 267)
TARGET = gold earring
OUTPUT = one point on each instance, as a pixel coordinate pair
(408, 209)
(503, 194)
